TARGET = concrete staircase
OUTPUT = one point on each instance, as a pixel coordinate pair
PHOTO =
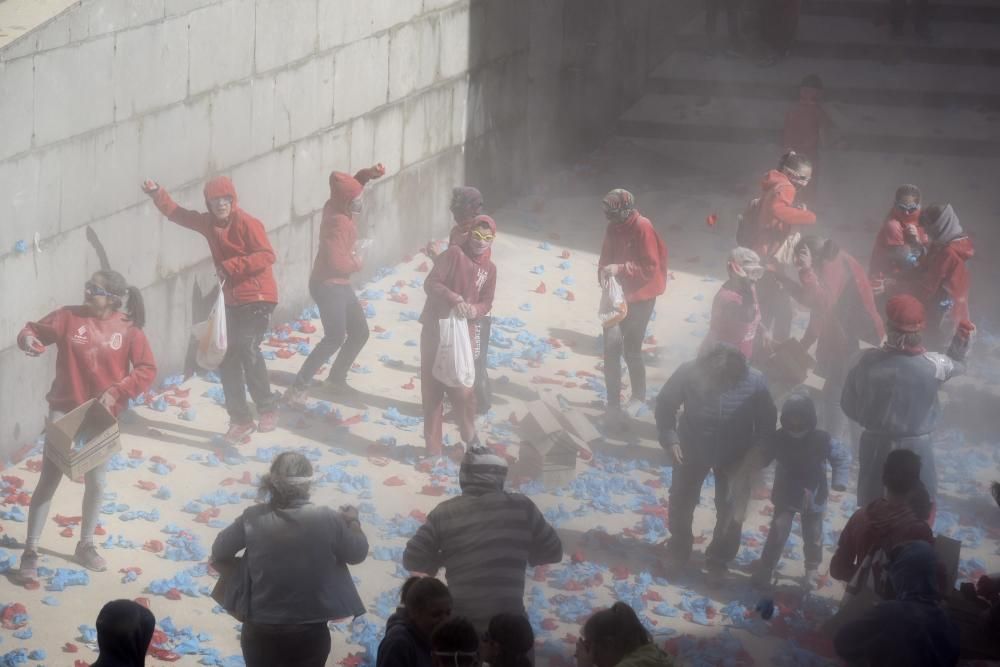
(906, 111)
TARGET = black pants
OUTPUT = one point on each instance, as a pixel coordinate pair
(480, 346)
(626, 338)
(267, 645)
(685, 492)
(897, 14)
(732, 9)
(243, 366)
(344, 328)
(776, 309)
(781, 528)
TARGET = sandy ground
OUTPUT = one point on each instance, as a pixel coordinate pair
(611, 519)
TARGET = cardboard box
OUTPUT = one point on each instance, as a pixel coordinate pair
(82, 439)
(576, 423)
(551, 460)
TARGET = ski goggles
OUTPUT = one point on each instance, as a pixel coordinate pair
(482, 236)
(93, 289)
(907, 208)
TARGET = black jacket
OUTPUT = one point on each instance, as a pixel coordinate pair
(403, 646)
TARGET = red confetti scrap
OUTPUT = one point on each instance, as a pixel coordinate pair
(144, 601)
(307, 327)
(67, 520)
(70, 647)
(32, 584)
(565, 254)
(409, 386)
(66, 532)
(550, 624)
(399, 298)
(432, 490)
(173, 594)
(154, 546)
(284, 354)
(541, 288)
(145, 485)
(135, 454)
(418, 515)
(163, 654)
(570, 296)
(10, 613)
(423, 268)
(35, 465)
(394, 481)
(378, 329)
(100, 530)
(352, 660)
(712, 219)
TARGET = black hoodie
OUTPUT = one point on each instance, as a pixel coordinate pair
(403, 646)
(124, 630)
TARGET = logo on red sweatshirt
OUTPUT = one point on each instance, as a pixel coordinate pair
(116, 341)
(81, 336)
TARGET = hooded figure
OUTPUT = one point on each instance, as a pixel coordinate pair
(911, 630)
(124, 630)
(942, 281)
(243, 259)
(800, 485)
(484, 539)
(463, 280)
(345, 326)
(735, 309)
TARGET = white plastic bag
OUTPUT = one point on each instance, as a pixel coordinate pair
(454, 364)
(212, 336)
(613, 308)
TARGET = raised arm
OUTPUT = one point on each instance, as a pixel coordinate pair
(173, 212)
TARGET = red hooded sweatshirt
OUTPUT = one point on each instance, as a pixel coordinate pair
(892, 235)
(735, 319)
(777, 215)
(944, 273)
(335, 258)
(94, 356)
(240, 248)
(804, 124)
(880, 524)
(843, 310)
(636, 245)
(459, 276)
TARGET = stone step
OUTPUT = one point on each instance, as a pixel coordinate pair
(905, 84)
(864, 128)
(984, 11)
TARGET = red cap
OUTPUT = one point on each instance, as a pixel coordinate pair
(905, 313)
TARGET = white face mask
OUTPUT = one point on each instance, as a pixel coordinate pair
(356, 206)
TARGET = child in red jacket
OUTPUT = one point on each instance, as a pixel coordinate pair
(103, 354)
(243, 259)
(338, 257)
(635, 254)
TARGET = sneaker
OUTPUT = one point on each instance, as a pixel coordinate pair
(810, 581)
(87, 556)
(634, 407)
(29, 564)
(238, 433)
(268, 421)
(296, 398)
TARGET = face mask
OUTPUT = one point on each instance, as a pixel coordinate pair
(356, 206)
(477, 247)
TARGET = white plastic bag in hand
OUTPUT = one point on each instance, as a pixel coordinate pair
(454, 364)
(613, 308)
(212, 336)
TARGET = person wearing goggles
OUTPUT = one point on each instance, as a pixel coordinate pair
(899, 245)
(455, 643)
(735, 310)
(243, 260)
(102, 354)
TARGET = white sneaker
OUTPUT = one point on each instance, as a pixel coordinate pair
(634, 408)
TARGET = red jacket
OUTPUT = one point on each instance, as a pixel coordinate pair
(457, 277)
(636, 245)
(880, 524)
(94, 356)
(240, 249)
(804, 124)
(777, 215)
(735, 319)
(892, 235)
(335, 258)
(944, 274)
(843, 310)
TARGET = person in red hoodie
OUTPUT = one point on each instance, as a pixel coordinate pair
(338, 257)
(770, 227)
(806, 125)
(635, 254)
(941, 282)
(833, 285)
(900, 244)
(735, 311)
(881, 525)
(103, 354)
(243, 259)
(463, 279)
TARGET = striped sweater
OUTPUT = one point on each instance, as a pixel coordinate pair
(484, 541)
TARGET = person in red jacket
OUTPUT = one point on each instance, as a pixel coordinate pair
(635, 254)
(941, 282)
(338, 257)
(103, 354)
(882, 524)
(735, 311)
(900, 244)
(806, 124)
(770, 227)
(834, 287)
(463, 279)
(243, 257)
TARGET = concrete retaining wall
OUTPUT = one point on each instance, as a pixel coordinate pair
(275, 94)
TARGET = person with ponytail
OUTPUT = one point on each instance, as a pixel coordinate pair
(102, 354)
(615, 637)
(508, 641)
(296, 561)
(835, 287)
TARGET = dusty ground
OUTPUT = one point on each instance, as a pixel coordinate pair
(611, 519)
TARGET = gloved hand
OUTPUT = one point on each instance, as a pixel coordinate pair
(377, 171)
(150, 187)
(32, 346)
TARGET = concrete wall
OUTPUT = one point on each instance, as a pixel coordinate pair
(274, 93)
